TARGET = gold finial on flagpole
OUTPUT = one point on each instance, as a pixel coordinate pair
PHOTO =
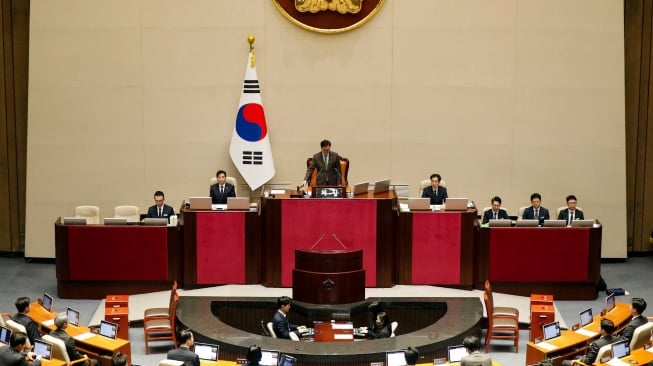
(251, 40)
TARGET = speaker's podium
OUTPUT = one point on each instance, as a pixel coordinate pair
(328, 276)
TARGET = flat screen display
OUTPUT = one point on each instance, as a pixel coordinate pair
(456, 353)
(586, 317)
(73, 317)
(609, 302)
(620, 349)
(269, 357)
(207, 351)
(47, 302)
(108, 329)
(551, 330)
(5, 335)
(43, 349)
(395, 358)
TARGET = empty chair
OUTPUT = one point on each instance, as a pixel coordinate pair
(500, 327)
(170, 363)
(59, 351)
(271, 330)
(521, 212)
(160, 329)
(231, 180)
(641, 336)
(90, 213)
(161, 313)
(393, 328)
(264, 329)
(500, 311)
(128, 212)
(17, 327)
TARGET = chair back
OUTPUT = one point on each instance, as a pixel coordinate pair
(171, 363)
(264, 329)
(173, 293)
(521, 212)
(131, 213)
(488, 310)
(293, 336)
(91, 213)
(393, 328)
(2, 321)
(58, 348)
(604, 352)
(641, 336)
(344, 170)
(490, 297)
(17, 327)
(271, 330)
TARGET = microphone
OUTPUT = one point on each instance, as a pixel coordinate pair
(343, 245)
(338, 172)
(318, 240)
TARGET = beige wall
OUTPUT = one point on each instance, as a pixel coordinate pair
(502, 97)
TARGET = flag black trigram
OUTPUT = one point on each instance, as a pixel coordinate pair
(251, 86)
(253, 157)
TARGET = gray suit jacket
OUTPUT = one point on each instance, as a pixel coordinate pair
(182, 353)
(327, 175)
(476, 358)
(630, 329)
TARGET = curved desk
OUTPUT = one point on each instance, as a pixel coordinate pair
(462, 317)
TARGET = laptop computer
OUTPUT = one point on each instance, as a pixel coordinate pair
(287, 360)
(582, 223)
(238, 203)
(200, 203)
(456, 353)
(269, 357)
(108, 329)
(499, 223)
(382, 186)
(586, 317)
(73, 317)
(527, 223)
(155, 221)
(456, 204)
(5, 335)
(47, 302)
(419, 204)
(554, 223)
(74, 220)
(609, 303)
(621, 349)
(208, 352)
(43, 349)
(360, 188)
(115, 221)
(395, 358)
(551, 330)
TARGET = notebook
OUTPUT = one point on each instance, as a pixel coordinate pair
(551, 330)
(609, 303)
(382, 186)
(43, 349)
(5, 335)
(499, 223)
(200, 203)
(456, 204)
(621, 349)
(554, 223)
(361, 188)
(395, 358)
(456, 353)
(108, 329)
(47, 302)
(419, 204)
(238, 203)
(287, 360)
(73, 317)
(269, 357)
(205, 351)
(115, 221)
(527, 223)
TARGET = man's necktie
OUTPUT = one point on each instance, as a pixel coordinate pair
(326, 160)
(221, 189)
(571, 217)
(160, 212)
(495, 216)
(537, 214)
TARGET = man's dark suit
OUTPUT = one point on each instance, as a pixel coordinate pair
(153, 211)
(327, 175)
(182, 353)
(529, 214)
(10, 357)
(593, 351)
(30, 326)
(436, 198)
(489, 215)
(282, 326)
(71, 348)
(221, 198)
(637, 321)
(564, 215)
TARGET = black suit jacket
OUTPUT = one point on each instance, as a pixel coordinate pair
(590, 357)
(489, 215)
(182, 353)
(436, 199)
(217, 197)
(564, 215)
(30, 326)
(71, 348)
(384, 332)
(529, 214)
(637, 321)
(327, 175)
(282, 326)
(11, 357)
(153, 211)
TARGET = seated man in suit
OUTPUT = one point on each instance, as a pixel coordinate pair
(607, 327)
(119, 359)
(496, 212)
(475, 357)
(570, 213)
(536, 211)
(436, 193)
(61, 322)
(183, 353)
(221, 190)
(15, 354)
(637, 307)
(160, 209)
(327, 163)
(23, 306)
(411, 355)
(280, 324)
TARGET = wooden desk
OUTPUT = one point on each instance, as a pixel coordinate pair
(571, 343)
(53, 362)
(95, 345)
(639, 356)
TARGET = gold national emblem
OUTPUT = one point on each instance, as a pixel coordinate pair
(328, 16)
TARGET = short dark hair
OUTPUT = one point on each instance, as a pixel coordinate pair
(472, 343)
(639, 304)
(220, 172)
(17, 338)
(436, 175)
(385, 319)
(412, 355)
(22, 303)
(283, 301)
(375, 308)
(185, 335)
(159, 193)
(496, 198)
(607, 325)
(570, 197)
(254, 354)
(325, 143)
(536, 195)
(119, 359)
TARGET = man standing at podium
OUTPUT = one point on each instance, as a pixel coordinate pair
(160, 209)
(327, 163)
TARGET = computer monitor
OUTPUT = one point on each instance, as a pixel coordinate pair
(269, 357)
(47, 302)
(108, 329)
(586, 317)
(287, 360)
(527, 223)
(621, 349)
(395, 358)
(43, 349)
(115, 221)
(499, 223)
(551, 330)
(74, 220)
(582, 223)
(554, 223)
(205, 351)
(155, 221)
(456, 353)
(73, 317)
(5, 335)
(609, 302)
(382, 186)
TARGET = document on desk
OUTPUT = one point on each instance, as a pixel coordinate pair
(342, 326)
(277, 191)
(617, 362)
(586, 333)
(48, 323)
(84, 336)
(343, 336)
(546, 346)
